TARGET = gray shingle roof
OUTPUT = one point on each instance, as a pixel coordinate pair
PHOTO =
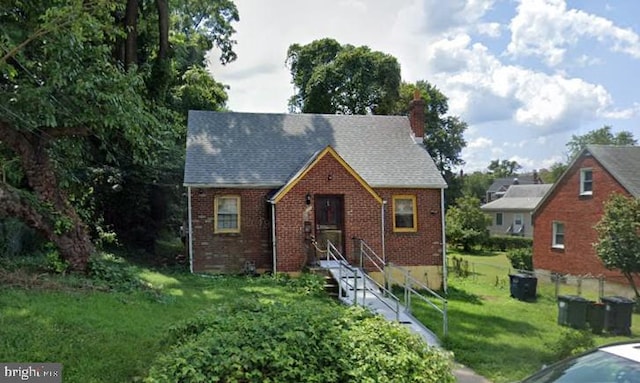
(622, 162)
(519, 197)
(503, 183)
(264, 149)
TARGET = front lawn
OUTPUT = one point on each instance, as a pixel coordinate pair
(500, 337)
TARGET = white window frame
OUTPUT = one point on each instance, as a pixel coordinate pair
(555, 233)
(584, 181)
(499, 222)
(216, 205)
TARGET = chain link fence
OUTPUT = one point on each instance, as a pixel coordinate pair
(551, 284)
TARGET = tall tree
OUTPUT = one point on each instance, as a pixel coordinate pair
(619, 237)
(602, 136)
(333, 78)
(504, 168)
(476, 185)
(71, 108)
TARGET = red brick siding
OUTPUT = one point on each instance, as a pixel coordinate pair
(228, 252)
(362, 219)
(579, 214)
(423, 247)
(362, 215)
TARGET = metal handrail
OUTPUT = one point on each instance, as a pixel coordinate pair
(409, 282)
(334, 254)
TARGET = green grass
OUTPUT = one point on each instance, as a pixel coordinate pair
(110, 336)
(500, 337)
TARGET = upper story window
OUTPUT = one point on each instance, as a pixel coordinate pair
(557, 240)
(227, 214)
(498, 219)
(586, 181)
(405, 217)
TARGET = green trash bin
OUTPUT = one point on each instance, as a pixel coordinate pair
(572, 311)
(595, 316)
(617, 314)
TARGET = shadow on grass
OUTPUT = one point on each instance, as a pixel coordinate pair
(455, 294)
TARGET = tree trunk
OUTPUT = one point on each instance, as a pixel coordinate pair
(73, 241)
(632, 283)
(163, 25)
(131, 27)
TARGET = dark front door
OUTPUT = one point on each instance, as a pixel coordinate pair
(329, 212)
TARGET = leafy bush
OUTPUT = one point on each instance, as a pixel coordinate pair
(303, 341)
(571, 342)
(466, 224)
(521, 259)
(114, 273)
(503, 242)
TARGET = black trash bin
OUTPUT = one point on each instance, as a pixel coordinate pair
(617, 314)
(572, 311)
(523, 286)
(595, 316)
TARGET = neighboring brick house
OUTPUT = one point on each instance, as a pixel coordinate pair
(564, 220)
(261, 186)
(511, 214)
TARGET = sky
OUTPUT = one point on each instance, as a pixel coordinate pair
(525, 75)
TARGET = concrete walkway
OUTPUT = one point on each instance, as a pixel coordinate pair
(365, 294)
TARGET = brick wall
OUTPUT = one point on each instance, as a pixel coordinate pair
(579, 214)
(423, 247)
(228, 252)
(225, 253)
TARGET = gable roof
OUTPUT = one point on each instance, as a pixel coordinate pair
(501, 184)
(227, 149)
(313, 161)
(622, 162)
(519, 197)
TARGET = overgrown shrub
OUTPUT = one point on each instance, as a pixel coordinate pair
(304, 341)
(504, 242)
(571, 342)
(521, 259)
(114, 273)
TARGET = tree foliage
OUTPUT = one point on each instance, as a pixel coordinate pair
(476, 185)
(466, 224)
(602, 136)
(619, 237)
(333, 78)
(82, 111)
(504, 168)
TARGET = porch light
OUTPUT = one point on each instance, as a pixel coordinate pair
(308, 199)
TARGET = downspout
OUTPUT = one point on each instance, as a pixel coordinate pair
(444, 243)
(273, 235)
(190, 228)
(384, 257)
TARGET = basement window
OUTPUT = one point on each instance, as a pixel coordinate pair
(227, 214)
(558, 235)
(405, 217)
(586, 181)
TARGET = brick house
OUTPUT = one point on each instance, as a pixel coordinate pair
(565, 218)
(511, 214)
(262, 186)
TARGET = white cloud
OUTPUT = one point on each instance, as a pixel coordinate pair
(480, 143)
(490, 29)
(546, 28)
(481, 89)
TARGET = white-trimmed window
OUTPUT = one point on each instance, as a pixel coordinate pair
(557, 240)
(405, 217)
(227, 214)
(498, 219)
(586, 181)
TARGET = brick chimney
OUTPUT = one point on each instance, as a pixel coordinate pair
(416, 115)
